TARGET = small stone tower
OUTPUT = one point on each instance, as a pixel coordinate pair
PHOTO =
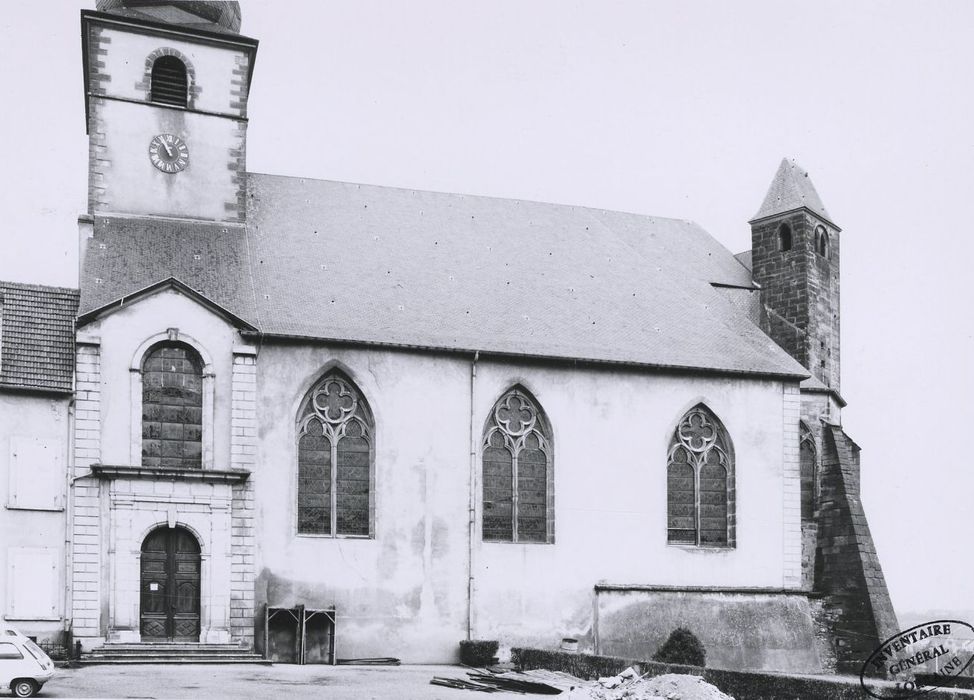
(795, 259)
(166, 89)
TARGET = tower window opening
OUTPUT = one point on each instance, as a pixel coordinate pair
(822, 242)
(168, 81)
(784, 237)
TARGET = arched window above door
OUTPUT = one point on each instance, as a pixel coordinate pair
(172, 406)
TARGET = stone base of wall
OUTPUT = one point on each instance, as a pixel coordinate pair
(739, 628)
(742, 685)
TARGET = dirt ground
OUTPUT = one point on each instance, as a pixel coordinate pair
(259, 682)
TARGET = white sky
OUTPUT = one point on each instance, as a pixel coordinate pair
(679, 109)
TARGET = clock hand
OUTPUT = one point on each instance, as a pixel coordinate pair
(168, 150)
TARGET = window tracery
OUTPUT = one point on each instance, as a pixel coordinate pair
(335, 442)
(517, 472)
(700, 482)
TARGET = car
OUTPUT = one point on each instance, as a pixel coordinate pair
(24, 667)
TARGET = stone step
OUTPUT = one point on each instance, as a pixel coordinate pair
(171, 653)
(166, 649)
(153, 660)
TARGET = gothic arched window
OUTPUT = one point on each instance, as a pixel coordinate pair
(172, 407)
(517, 475)
(822, 242)
(168, 82)
(700, 482)
(784, 237)
(806, 451)
(336, 435)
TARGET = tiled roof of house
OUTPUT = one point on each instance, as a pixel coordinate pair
(380, 265)
(791, 189)
(37, 337)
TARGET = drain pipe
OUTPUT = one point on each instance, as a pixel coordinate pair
(67, 615)
(472, 505)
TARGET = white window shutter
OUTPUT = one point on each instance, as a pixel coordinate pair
(36, 473)
(32, 583)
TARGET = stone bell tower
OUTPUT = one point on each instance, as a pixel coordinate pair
(166, 89)
(795, 259)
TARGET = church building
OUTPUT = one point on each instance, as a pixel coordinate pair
(439, 417)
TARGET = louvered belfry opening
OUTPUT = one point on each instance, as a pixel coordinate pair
(169, 84)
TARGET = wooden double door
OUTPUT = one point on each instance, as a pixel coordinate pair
(170, 579)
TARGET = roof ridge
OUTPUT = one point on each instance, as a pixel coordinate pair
(445, 193)
(39, 287)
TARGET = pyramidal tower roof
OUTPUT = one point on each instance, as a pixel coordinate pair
(210, 15)
(791, 189)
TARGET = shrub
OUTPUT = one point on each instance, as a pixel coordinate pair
(682, 647)
(477, 652)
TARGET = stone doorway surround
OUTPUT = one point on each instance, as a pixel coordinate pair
(141, 499)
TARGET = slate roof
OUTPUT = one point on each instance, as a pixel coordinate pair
(37, 337)
(791, 189)
(221, 17)
(379, 265)
(745, 259)
(128, 254)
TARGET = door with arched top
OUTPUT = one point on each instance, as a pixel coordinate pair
(170, 586)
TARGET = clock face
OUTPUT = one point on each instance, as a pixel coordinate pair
(168, 153)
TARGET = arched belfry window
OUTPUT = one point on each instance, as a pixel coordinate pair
(822, 242)
(784, 237)
(168, 82)
(700, 482)
(336, 437)
(517, 474)
(807, 473)
(172, 407)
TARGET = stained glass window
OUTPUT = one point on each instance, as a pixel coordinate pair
(172, 407)
(335, 442)
(517, 472)
(807, 474)
(699, 482)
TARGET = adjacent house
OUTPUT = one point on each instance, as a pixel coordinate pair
(36, 415)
